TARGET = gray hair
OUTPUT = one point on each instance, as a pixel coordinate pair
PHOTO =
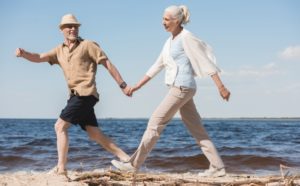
(181, 13)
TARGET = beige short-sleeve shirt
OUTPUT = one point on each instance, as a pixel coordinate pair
(79, 65)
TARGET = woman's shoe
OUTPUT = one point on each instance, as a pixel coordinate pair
(213, 172)
(123, 166)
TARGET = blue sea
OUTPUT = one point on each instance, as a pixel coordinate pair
(255, 146)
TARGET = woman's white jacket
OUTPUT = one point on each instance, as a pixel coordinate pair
(199, 53)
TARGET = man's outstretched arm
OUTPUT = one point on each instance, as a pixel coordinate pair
(33, 57)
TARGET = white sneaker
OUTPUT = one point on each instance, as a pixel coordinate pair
(213, 172)
(123, 166)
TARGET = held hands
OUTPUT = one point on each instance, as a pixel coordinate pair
(127, 92)
(224, 92)
(139, 85)
(130, 90)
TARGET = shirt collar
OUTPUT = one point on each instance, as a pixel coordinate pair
(78, 41)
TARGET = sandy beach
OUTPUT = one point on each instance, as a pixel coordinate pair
(116, 178)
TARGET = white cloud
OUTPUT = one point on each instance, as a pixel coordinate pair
(291, 53)
(263, 71)
(290, 88)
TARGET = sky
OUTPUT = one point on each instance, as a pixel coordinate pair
(256, 43)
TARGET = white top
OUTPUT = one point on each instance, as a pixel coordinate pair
(185, 74)
(199, 53)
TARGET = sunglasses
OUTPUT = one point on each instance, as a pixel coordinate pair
(70, 26)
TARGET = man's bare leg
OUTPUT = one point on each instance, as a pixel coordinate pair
(96, 134)
(61, 129)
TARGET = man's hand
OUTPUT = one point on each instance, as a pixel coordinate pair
(127, 91)
(19, 52)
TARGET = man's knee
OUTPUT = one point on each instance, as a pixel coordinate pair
(61, 125)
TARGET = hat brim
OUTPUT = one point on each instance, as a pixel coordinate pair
(70, 23)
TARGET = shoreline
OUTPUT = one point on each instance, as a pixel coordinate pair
(112, 177)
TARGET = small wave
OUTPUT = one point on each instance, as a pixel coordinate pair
(241, 163)
(20, 149)
(239, 150)
(235, 163)
(41, 142)
(15, 162)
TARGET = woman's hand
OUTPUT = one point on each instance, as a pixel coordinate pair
(139, 85)
(133, 89)
(224, 92)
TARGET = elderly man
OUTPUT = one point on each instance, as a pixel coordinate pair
(79, 59)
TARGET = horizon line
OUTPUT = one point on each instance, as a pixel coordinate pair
(284, 117)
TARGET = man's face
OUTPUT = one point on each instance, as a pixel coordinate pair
(70, 31)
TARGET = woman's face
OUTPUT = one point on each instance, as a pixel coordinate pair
(171, 24)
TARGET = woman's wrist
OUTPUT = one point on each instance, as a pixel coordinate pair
(221, 88)
(138, 86)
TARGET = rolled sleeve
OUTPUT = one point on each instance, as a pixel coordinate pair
(52, 54)
(96, 53)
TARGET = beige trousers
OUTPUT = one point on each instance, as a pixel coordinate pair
(177, 99)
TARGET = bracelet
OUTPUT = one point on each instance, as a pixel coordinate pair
(123, 85)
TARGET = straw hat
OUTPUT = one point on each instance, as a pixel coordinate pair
(68, 19)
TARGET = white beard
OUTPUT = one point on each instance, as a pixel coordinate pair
(72, 38)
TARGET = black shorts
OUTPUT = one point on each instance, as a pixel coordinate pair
(80, 110)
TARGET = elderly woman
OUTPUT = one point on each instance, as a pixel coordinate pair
(184, 56)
